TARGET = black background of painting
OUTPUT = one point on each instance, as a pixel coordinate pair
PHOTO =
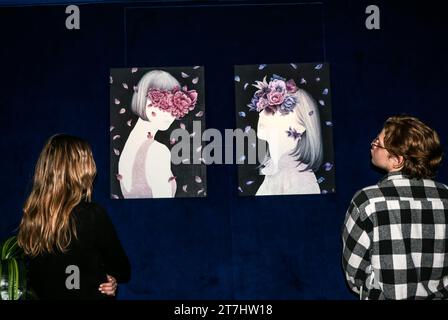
(317, 79)
(185, 173)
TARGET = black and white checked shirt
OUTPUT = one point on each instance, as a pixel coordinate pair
(395, 241)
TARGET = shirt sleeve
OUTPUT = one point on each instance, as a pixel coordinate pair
(116, 262)
(356, 239)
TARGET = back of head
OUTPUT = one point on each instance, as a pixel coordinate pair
(63, 176)
(156, 79)
(417, 143)
(309, 148)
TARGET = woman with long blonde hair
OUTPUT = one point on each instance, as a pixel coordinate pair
(73, 249)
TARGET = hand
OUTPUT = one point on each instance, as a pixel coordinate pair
(109, 287)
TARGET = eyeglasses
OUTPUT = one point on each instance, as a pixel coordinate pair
(376, 143)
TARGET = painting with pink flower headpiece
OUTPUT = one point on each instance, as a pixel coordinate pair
(287, 107)
(146, 106)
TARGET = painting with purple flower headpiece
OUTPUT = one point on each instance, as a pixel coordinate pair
(289, 108)
(146, 105)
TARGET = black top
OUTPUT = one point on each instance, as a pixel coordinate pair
(96, 252)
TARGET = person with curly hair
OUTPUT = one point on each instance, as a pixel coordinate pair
(395, 237)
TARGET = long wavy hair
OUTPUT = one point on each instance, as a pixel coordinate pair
(63, 176)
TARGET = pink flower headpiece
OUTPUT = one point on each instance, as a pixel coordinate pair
(177, 101)
(275, 95)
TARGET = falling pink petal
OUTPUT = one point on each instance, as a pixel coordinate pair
(171, 178)
(129, 122)
(246, 130)
(193, 134)
(239, 189)
(200, 191)
(153, 114)
(199, 114)
(111, 128)
(125, 85)
(198, 179)
(184, 187)
(182, 125)
(199, 149)
(172, 141)
(196, 67)
(186, 160)
(119, 177)
(135, 88)
(114, 196)
(117, 101)
(117, 136)
(134, 70)
(149, 135)
(184, 75)
(111, 80)
(195, 80)
(117, 152)
(122, 110)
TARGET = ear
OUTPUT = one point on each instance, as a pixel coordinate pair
(397, 162)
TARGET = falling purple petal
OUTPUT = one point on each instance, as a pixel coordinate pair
(311, 113)
(116, 137)
(117, 152)
(111, 80)
(119, 177)
(198, 179)
(261, 66)
(302, 81)
(245, 85)
(318, 67)
(129, 123)
(253, 144)
(122, 110)
(198, 149)
(199, 114)
(186, 160)
(322, 102)
(117, 101)
(320, 180)
(149, 135)
(242, 158)
(237, 78)
(324, 191)
(184, 75)
(328, 166)
(111, 128)
(125, 85)
(193, 134)
(114, 196)
(329, 123)
(248, 183)
(240, 189)
(242, 114)
(184, 187)
(195, 80)
(294, 65)
(134, 70)
(325, 92)
(317, 79)
(247, 129)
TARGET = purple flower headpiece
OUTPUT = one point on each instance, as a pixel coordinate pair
(178, 102)
(277, 95)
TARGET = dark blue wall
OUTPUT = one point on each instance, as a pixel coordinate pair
(223, 246)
